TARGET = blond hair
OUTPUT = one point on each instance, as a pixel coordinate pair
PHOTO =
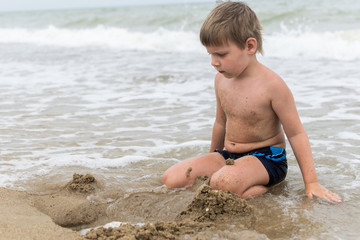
(231, 21)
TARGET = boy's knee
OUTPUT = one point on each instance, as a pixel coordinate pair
(166, 179)
(172, 180)
(220, 182)
(226, 183)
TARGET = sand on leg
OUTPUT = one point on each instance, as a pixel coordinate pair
(184, 173)
(247, 177)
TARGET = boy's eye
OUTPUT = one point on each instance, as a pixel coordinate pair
(221, 54)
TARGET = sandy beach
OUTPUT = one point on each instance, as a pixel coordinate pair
(61, 214)
(34, 216)
(20, 220)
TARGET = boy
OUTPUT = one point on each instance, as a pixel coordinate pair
(254, 109)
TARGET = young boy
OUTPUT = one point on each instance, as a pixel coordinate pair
(254, 109)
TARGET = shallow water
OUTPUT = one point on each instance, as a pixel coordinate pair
(105, 95)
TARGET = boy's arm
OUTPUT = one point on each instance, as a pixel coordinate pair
(218, 137)
(302, 150)
(219, 129)
(284, 106)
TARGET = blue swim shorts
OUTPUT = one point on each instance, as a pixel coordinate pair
(273, 159)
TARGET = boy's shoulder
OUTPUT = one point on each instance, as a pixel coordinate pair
(268, 77)
(261, 73)
(266, 72)
(274, 84)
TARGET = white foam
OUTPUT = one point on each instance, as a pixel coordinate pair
(284, 44)
(349, 135)
(24, 169)
(339, 45)
(159, 40)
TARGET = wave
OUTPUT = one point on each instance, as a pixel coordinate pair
(119, 38)
(340, 45)
(306, 44)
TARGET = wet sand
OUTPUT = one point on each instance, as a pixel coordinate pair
(166, 214)
(19, 219)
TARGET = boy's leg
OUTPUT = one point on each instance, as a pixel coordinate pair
(255, 191)
(184, 173)
(247, 177)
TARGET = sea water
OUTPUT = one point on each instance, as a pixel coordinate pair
(124, 93)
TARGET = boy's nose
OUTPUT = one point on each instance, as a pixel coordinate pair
(214, 62)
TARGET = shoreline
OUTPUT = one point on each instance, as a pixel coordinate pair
(62, 214)
(84, 208)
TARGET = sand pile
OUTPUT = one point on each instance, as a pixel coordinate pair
(156, 231)
(167, 214)
(69, 206)
(82, 183)
(214, 205)
(204, 211)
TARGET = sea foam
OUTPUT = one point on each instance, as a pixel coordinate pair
(283, 44)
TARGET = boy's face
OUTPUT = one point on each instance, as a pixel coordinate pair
(229, 59)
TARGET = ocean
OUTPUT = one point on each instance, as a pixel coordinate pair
(123, 93)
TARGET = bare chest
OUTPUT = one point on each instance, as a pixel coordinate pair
(248, 105)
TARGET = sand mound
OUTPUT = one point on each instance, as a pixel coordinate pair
(69, 207)
(181, 213)
(66, 211)
(208, 208)
(156, 231)
(82, 183)
(211, 205)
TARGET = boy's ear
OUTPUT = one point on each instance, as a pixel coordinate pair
(251, 45)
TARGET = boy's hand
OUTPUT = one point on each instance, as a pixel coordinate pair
(315, 189)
